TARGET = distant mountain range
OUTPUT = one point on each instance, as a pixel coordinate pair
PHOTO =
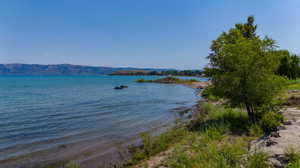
(62, 69)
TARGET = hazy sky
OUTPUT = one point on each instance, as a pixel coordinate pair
(137, 33)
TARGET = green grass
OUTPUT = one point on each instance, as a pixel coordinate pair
(219, 141)
(216, 116)
(155, 144)
(204, 150)
(295, 164)
(292, 154)
(217, 138)
(293, 84)
(257, 160)
(256, 130)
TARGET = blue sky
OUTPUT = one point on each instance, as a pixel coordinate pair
(136, 33)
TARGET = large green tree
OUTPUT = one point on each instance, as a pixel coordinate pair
(244, 67)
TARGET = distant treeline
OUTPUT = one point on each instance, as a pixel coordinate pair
(64, 69)
(161, 73)
(287, 66)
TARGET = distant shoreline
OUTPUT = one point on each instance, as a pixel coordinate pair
(64, 69)
(192, 73)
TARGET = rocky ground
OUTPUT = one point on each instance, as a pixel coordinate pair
(280, 142)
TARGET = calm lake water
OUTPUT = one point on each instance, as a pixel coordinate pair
(40, 112)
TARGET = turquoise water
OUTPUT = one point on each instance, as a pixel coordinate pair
(40, 112)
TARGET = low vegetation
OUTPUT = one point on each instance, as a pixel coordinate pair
(218, 136)
(292, 154)
(294, 85)
(270, 121)
(156, 144)
(295, 164)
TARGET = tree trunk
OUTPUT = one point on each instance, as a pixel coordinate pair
(250, 112)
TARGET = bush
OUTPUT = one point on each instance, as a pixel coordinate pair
(273, 106)
(208, 94)
(270, 121)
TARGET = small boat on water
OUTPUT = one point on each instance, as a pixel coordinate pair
(120, 87)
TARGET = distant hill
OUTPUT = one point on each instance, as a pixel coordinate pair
(63, 69)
